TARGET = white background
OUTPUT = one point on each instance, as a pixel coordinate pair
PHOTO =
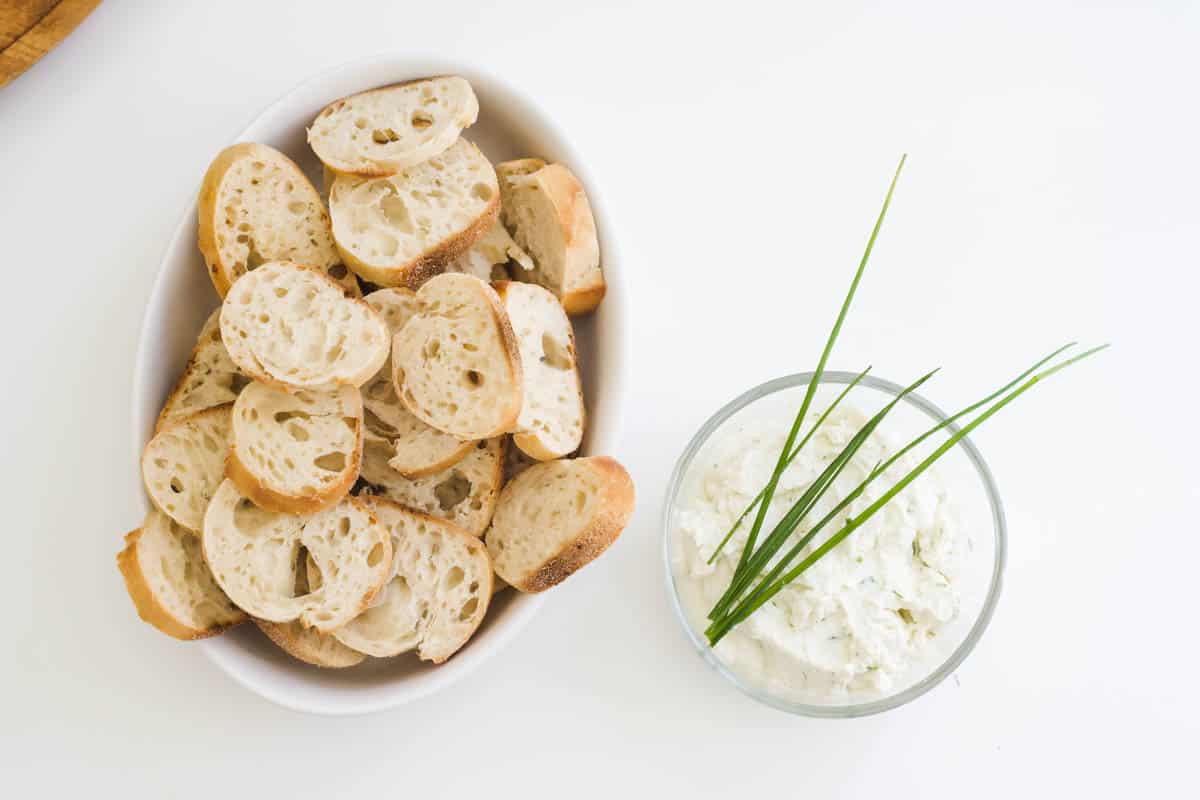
(1051, 194)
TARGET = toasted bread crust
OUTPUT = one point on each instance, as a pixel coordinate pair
(281, 634)
(583, 301)
(147, 605)
(617, 507)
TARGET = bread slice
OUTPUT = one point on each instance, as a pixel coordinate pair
(309, 645)
(209, 379)
(464, 494)
(382, 131)
(257, 206)
(547, 211)
(551, 421)
(488, 258)
(401, 230)
(170, 584)
(297, 453)
(438, 595)
(556, 517)
(419, 449)
(456, 363)
(255, 555)
(292, 328)
(184, 463)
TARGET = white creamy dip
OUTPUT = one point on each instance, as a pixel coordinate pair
(854, 625)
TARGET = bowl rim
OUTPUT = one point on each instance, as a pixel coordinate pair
(960, 653)
(401, 66)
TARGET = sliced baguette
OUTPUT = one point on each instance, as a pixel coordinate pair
(488, 258)
(402, 230)
(547, 211)
(309, 645)
(552, 414)
(419, 449)
(184, 463)
(292, 328)
(257, 206)
(456, 363)
(382, 131)
(255, 555)
(209, 379)
(297, 453)
(464, 494)
(170, 584)
(556, 517)
(438, 595)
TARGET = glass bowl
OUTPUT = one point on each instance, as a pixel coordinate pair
(966, 478)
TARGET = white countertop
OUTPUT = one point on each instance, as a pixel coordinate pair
(1050, 194)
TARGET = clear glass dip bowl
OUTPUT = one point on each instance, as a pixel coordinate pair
(962, 471)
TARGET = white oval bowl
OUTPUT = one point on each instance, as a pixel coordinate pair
(509, 126)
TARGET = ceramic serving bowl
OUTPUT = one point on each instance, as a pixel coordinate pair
(510, 125)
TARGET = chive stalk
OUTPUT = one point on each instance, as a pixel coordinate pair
(769, 587)
(769, 490)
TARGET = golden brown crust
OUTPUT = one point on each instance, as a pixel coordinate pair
(270, 500)
(147, 605)
(616, 507)
(430, 263)
(583, 301)
(284, 636)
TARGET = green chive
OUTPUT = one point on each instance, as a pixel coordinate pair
(769, 491)
(791, 520)
(791, 458)
(767, 589)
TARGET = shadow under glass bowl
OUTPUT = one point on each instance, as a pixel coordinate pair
(967, 480)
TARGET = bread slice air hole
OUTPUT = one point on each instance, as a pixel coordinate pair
(555, 354)
(453, 490)
(332, 462)
(468, 609)
(453, 577)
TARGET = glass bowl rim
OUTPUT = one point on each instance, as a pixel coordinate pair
(953, 661)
